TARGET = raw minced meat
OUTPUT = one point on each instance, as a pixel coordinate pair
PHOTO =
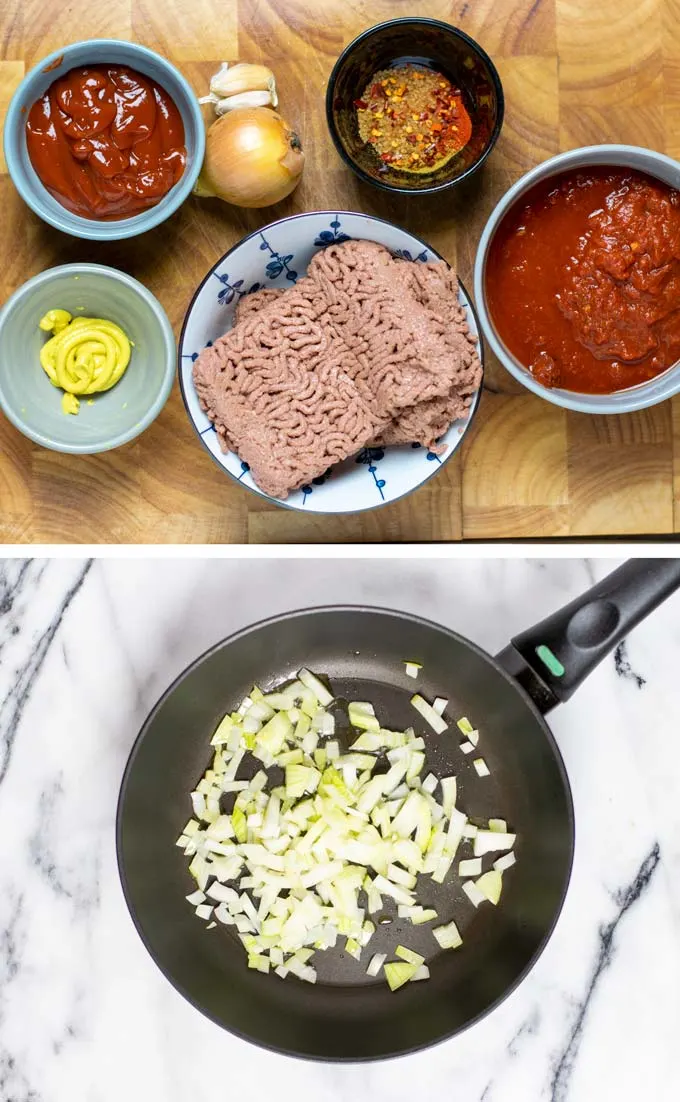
(365, 349)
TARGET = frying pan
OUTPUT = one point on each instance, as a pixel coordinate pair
(346, 1015)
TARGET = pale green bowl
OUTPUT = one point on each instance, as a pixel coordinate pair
(115, 417)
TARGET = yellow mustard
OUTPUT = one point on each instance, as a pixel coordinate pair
(84, 355)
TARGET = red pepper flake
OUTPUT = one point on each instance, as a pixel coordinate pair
(428, 101)
(361, 104)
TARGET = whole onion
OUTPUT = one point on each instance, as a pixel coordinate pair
(252, 158)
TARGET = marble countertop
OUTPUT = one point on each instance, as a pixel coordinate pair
(86, 649)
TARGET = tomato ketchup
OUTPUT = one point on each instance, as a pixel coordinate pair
(106, 141)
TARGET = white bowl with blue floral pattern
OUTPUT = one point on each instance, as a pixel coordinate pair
(277, 256)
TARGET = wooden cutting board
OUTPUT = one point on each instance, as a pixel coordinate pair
(575, 72)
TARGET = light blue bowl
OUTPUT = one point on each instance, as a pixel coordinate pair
(36, 82)
(33, 404)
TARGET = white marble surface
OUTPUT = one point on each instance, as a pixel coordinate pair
(84, 1014)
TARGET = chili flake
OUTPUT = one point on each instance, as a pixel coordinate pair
(423, 96)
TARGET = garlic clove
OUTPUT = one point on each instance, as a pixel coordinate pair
(245, 99)
(232, 80)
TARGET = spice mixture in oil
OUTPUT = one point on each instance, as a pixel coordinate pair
(413, 117)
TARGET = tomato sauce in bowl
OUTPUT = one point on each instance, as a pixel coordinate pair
(582, 279)
(106, 141)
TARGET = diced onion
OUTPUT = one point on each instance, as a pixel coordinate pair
(422, 973)
(481, 767)
(490, 885)
(409, 956)
(298, 865)
(472, 866)
(320, 691)
(375, 964)
(504, 862)
(448, 936)
(412, 668)
(428, 713)
(397, 973)
(466, 747)
(488, 841)
(473, 892)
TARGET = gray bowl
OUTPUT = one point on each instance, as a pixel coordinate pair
(33, 404)
(622, 401)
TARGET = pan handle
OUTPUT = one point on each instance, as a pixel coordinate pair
(551, 659)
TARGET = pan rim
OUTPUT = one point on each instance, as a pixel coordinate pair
(325, 610)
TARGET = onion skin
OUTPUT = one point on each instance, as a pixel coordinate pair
(252, 159)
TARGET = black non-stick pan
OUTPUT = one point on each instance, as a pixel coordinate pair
(346, 1015)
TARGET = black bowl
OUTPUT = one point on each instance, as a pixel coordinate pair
(425, 42)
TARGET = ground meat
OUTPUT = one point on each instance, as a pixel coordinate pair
(364, 349)
(250, 304)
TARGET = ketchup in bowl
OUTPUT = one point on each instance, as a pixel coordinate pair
(106, 141)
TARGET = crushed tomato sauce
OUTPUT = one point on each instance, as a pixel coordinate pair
(106, 141)
(583, 279)
(413, 117)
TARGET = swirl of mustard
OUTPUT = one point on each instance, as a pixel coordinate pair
(84, 355)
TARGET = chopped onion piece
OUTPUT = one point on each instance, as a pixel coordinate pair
(498, 825)
(466, 747)
(375, 964)
(464, 726)
(440, 704)
(472, 866)
(234, 786)
(504, 862)
(449, 936)
(386, 887)
(417, 915)
(204, 910)
(399, 876)
(397, 973)
(409, 956)
(423, 973)
(198, 804)
(412, 668)
(473, 893)
(481, 767)
(195, 898)
(430, 783)
(221, 892)
(449, 791)
(489, 841)
(360, 717)
(429, 715)
(320, 691)
(490, 885)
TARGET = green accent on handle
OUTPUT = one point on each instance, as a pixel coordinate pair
(550, 660)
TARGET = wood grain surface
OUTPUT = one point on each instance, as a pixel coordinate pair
(575, 72)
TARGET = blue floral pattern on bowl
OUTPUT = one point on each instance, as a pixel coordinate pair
(277, 256)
